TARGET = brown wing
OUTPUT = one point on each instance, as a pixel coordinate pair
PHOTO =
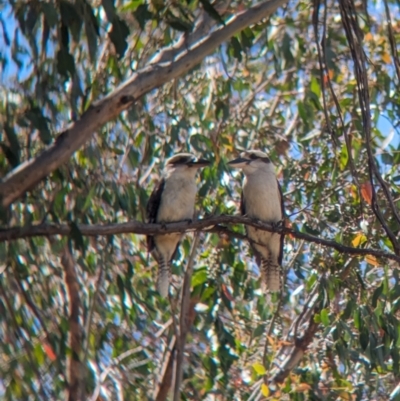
(152, 209)
(283, 223)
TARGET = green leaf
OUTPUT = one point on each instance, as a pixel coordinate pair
(237, 48)
(325, 317)
(309, 230)
(199, 277)
(91, 30)
(65, 63)
(50, 13)
(71, 18)
(260, 329)
(77, 237)
(178, 24)
(343, 157)
(377, 294)
(14, 144)
(211, 11)
(121, 289)
(40, 122)
(315, 88)
(118, 36)
(142, 15)
(109, 9)
(259, 369)
(247, 38)
(364, 339)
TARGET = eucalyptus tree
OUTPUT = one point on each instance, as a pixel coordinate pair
(96, 96)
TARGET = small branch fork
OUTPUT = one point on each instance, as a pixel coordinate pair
(208, 224)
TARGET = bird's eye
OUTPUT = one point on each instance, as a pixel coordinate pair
(253, 156)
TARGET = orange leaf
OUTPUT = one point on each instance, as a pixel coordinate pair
(359, 239)
(386, 58)
(371, 259)
(49, 351)
(368, 36)
(366, 192)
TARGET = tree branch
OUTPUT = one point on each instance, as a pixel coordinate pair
(300, 346)
(184, 319)
(211, 224)
(163, 385)
(74, 369)
(28, 174)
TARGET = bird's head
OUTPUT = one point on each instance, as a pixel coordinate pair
(251, 161)
(185, 163)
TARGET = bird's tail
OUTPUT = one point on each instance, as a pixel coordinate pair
(271, 273)
(163, 279)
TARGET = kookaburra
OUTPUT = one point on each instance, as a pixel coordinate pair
(262, 199)
(172, 200)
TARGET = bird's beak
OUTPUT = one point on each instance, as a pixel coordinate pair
(198, 163)
(239, 162)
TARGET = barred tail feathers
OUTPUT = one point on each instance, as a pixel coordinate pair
(271, 274)
(163, 278)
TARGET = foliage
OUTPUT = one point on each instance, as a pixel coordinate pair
(286, 85)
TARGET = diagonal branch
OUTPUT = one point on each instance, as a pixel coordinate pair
(28, 174)
(296, 355)
(210, 224)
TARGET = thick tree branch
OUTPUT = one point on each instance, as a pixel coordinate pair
(207, 224)
(74, 369)
(28, 174)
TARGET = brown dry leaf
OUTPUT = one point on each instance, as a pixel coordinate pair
(226, 292)
(366, 192)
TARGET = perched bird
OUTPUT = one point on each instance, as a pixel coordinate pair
(262, 199)
(172, 200)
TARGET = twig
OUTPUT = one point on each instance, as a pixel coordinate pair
(209, 224)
